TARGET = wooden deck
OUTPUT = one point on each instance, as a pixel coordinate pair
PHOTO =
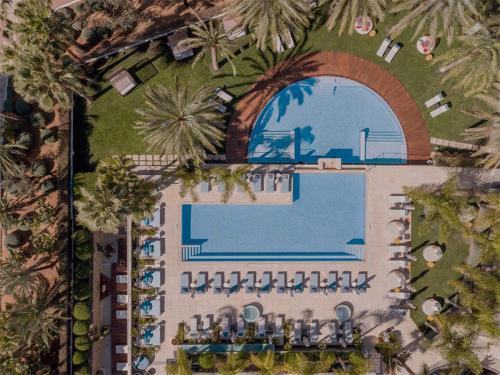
(328, 63)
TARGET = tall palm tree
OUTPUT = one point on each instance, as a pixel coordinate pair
(181, 123)
(270, 19)
(392, 354)
(266, 362)
(190, 178)
(20, 278)
(232, 364)
(37, 24)
(473, 66)
(438, 18)
(40, 79)
(299, 363)
(359, 365)
(99, 210)
(457, 343)
(232, 178)
(35, 318)
(8, 151)
(489, 132)
(442, 206)
(344, 12)
(182, 365)
(210, 40)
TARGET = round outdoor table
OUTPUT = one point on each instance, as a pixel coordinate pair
(354, 284)
(141, 363)
(251, 314)
(290, 284)
(323, 284)
(192, 285)
(363, 25)
(343, 313)
(432, 253)
(396, 279)
(431, 306)
(258, 284)
(425, 44)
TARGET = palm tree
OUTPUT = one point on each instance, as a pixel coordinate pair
(232, 364)
(359, 364)
(210, 40)
(39, 26)
(473, 66)
(17, 277)
(265, 362)
(181, 123)
(190, 178)
(40, 79)
(271, 19)
(8, 151)
(344, 12)
(182, 365)
(442, 206)
(34, 319)
(392, 354)
(231, 178)
(489, 132)
(457, 343)
(437, 18)
(299, 363)
(99, 210)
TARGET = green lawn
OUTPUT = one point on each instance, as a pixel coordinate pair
(111, 117)
(433, 281)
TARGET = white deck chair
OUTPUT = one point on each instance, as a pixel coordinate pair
(434, 100)
(399, 199)
(121, 279)
(278, 46)
(399, 295)
(392, 52)
(193, 327)
(440, 110)
(121, 349)
(383, 47)
(279, 327)
(224, 95)
(399, 248)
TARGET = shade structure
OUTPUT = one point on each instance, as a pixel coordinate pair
(432, 253)
(396, 279)
(251, 314)
(343, 312)
(141, 363)
(395, 229)
(431, 306)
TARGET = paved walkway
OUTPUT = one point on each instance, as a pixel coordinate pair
(328, 63)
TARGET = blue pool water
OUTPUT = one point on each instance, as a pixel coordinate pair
(327, 117)
(327, 213)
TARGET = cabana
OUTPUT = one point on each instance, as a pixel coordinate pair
(180, 50)
(122, 81)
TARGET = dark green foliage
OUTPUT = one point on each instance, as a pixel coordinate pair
(82, 291)
(81, 328)
(83, 370)
(66, 13)
(8, 105)
(83, 343)
(84, 251)
(82, 271)
(80, 357)
(22, 107)
(82, 311)
(80, 237)
(37, 119)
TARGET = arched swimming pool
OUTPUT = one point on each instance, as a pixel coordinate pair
(327, 117)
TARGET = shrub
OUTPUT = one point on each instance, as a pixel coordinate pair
(22, 107)
(82, 271)
(82, 343)
(37, 119)
(39, 168)
(8, 105)
(89, 36)
(81, 328)
(48, 135)
(82, 291)
(48, 186)
(84, 251)
(83, 370)
(81, 311)
(80, 237)
(80, 357)
(207, 360)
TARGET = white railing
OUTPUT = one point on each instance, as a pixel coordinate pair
(190, 250)
(356, 250)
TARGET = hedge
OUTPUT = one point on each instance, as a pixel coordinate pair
(81, 327)
(82, 271)
(81, 311)
(80, 357)
(83, 370)
(80, 237)
(84, 251)
(82, 291)
(82, 343)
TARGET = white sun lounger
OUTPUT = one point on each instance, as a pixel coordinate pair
(399, 295)
(121, 349)
(218, 283)
(362, 282)
(250, 282)
(121, 314)
(313, 332)
(185, 282)
(279, 327)
(383, 47)
(257, 183)
(204, 186)
(224, 95)
(333, 332)
(121, 279)
(392, 52)
(241, 327)
(201, 283)
(399, 199)
(314, 282)
(434, 100)
(270, 183)
(281, 283)
(206, 326)
(298, 286)
(193, 327)
(332, 281)
(122, 366)
(266, 282)
(220, 107)
(225, 329)
(234, 282)
(285, 183)
(261, 333)
(121, 299)
(399, 248)
(297, 332)
(349, 339)
(346, 282)
(440, 110)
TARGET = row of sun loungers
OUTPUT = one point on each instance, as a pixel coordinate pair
(267, 283)
(384, 47)
(272, 183)
(435, 100)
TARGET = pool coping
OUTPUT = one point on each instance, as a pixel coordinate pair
(328, 63)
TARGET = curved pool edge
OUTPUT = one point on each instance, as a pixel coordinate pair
(328, 63)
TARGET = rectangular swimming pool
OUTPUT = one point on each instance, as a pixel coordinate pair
(325, 221)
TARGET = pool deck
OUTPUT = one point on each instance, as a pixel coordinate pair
(371, 310)
(328, 63)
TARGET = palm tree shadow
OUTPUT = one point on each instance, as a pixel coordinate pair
(82, 132)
